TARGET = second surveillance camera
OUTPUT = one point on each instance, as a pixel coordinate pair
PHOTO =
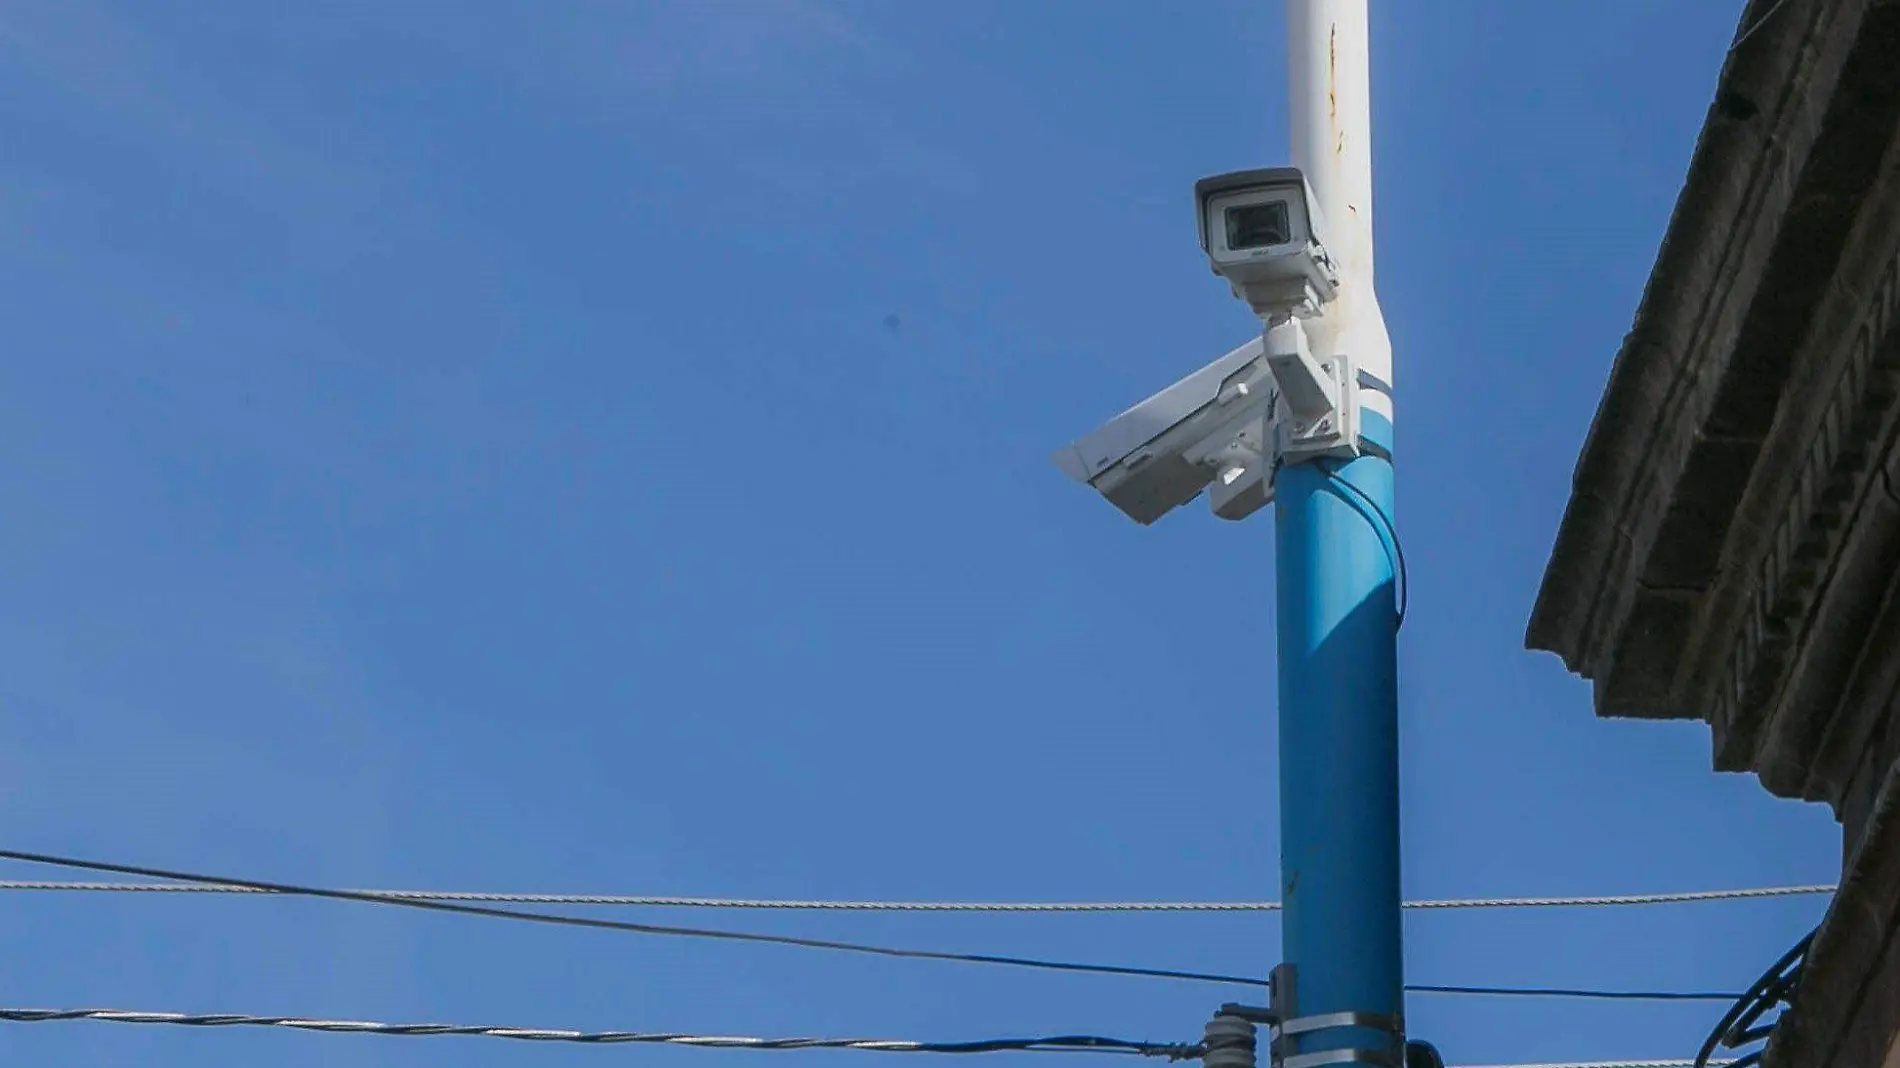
(1208, 432)
(1263, 232)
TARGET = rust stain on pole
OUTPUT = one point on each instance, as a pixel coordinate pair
(1332, 89)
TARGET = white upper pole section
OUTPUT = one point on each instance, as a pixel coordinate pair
(1329, 83)
(1332, 124)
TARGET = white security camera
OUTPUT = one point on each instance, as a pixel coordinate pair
(1263, 232)
(1209, 431)
(1223, 428)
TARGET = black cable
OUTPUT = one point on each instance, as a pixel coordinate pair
(1568, 992)
(1775, 986)
(293, 890)
(1050, 1044)
(1388, 532)
(367, 897)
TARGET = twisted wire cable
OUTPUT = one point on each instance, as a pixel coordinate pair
(795, 904)
(1047, 1044)
(458, 908)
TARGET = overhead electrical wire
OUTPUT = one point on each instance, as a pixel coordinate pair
(594, 923)
(1606, 1064)
(1613, 900)
(1574, 992)
(1742, 1025)
(1767, 17)
(739, 904)
(458, 908)
(1050, 1044)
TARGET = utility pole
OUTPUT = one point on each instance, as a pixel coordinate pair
(1302, 417)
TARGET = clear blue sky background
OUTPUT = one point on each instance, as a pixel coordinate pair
(604, 447)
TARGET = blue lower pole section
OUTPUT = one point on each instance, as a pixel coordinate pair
(1339, 754)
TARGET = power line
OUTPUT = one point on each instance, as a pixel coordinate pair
(1742, 1025)
(1612, 900)
(1050, 1044)
(649, 901)
(1574, 992)
(1766, 17)
(1605, 1064)
(457, 908)
(461, 909)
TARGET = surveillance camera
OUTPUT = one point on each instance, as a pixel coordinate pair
(1262, 231)
(1209, 431)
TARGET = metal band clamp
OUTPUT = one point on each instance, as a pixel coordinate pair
(1384, 1058)
(1387, 1023)
(1376, 1021)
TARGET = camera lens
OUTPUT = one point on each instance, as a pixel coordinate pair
(1251, 226)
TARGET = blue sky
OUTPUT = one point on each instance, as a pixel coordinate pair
(604, 447)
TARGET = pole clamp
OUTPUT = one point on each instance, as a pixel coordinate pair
(1230, 1040)
(1288, 1028)
(1283, 1046)
(1377, 1021)
(1383, 1058)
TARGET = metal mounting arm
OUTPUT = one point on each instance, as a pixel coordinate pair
(1319, 398)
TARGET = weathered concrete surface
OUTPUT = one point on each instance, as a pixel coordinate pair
(1731, 550)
